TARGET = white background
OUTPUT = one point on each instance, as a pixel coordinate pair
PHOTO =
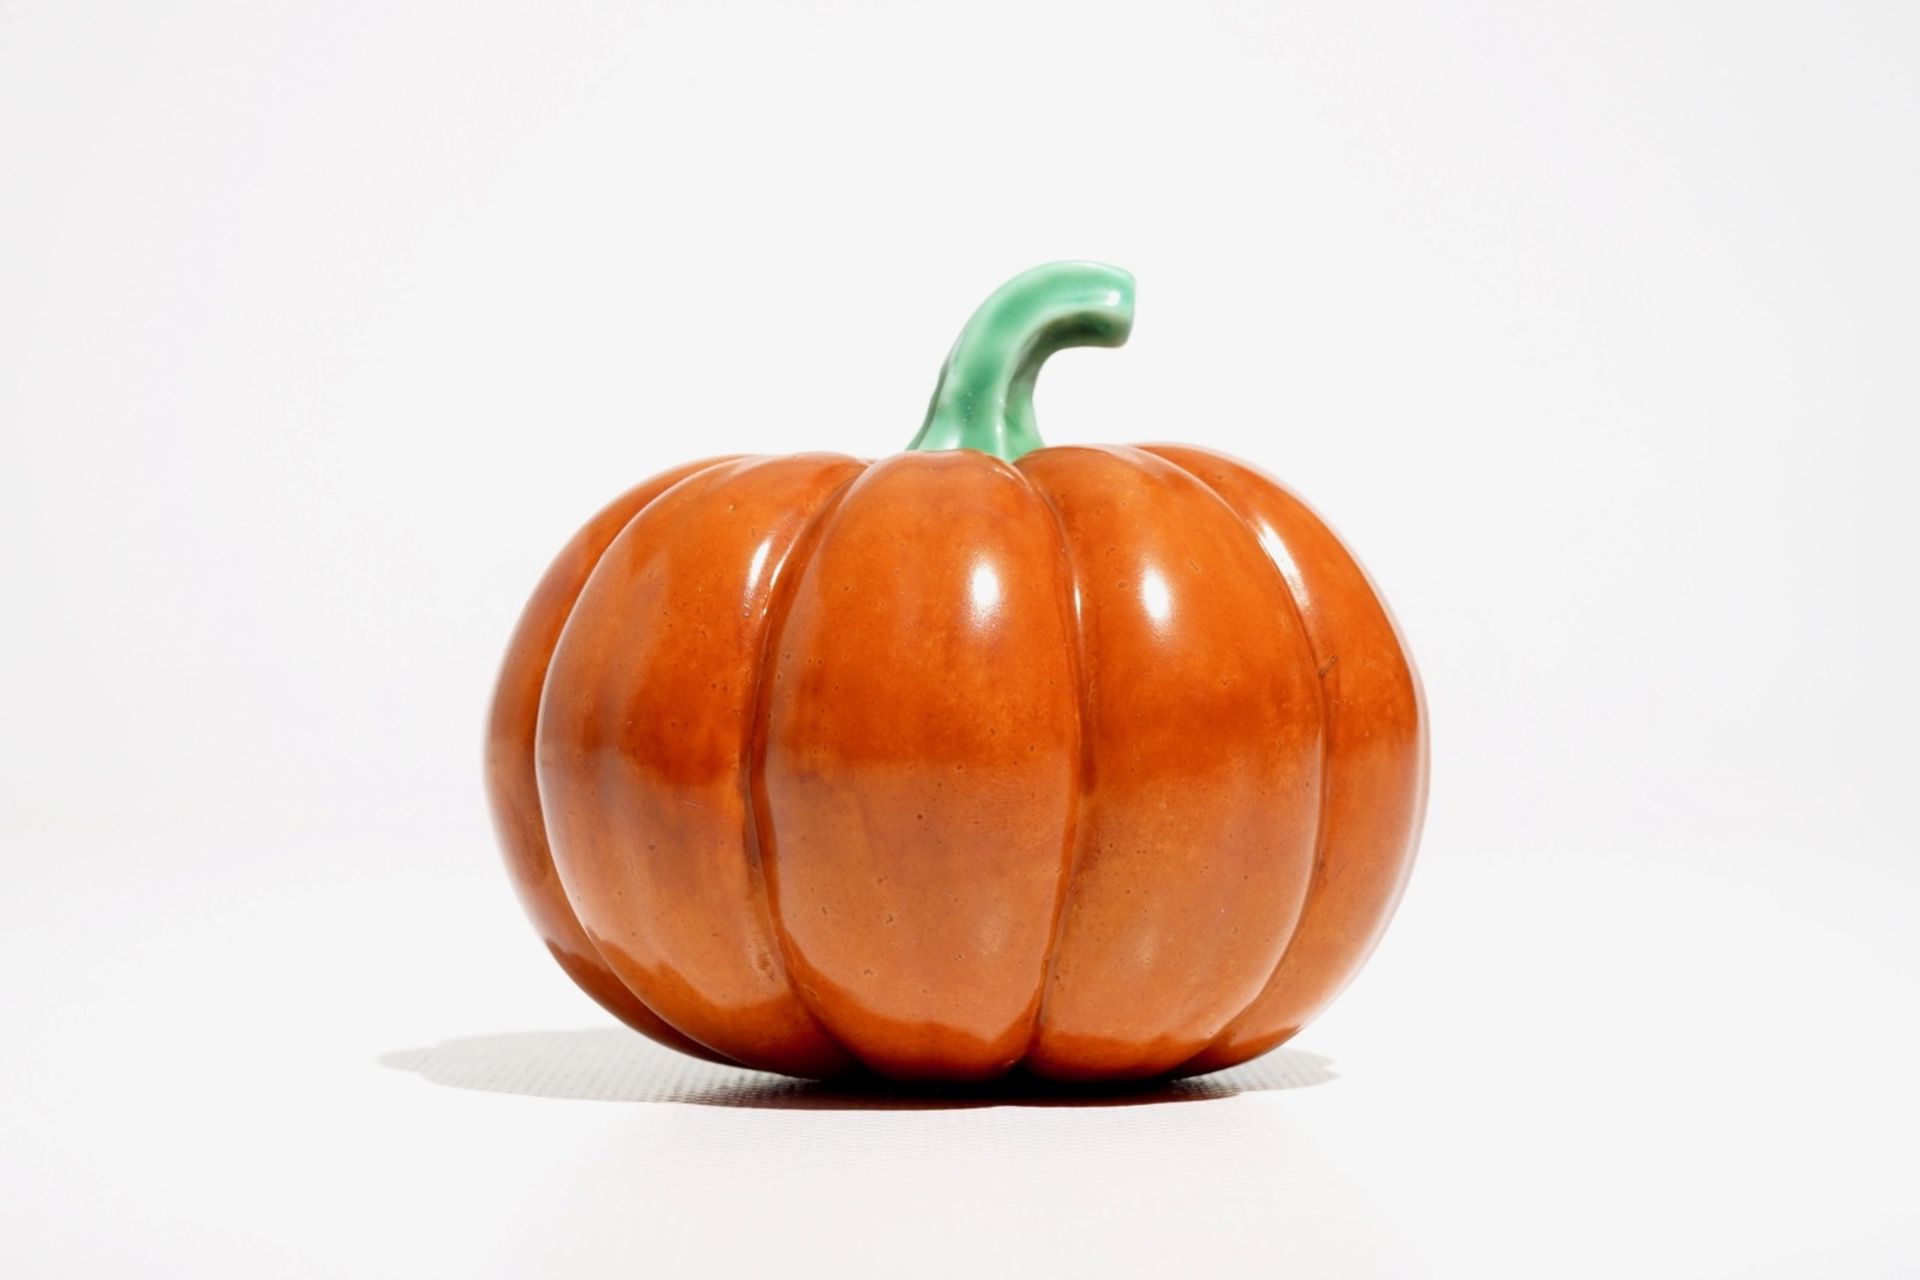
(1594, 328)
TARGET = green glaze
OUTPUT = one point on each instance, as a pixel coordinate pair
(984, 399)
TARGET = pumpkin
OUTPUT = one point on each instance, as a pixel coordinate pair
(1095, 762)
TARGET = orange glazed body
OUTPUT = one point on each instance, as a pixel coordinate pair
(1103, 764)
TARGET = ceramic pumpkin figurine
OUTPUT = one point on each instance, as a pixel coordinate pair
(1094, 762)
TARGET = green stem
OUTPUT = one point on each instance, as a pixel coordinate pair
(984, 399)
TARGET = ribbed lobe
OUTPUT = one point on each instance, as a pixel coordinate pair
(1214, 1056)
(513, 789)
(1375, 757)
(920, 758)
(644, 737)
(1202, 730)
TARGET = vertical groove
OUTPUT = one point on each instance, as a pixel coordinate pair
(780, 594)
(1326, 739)
(1083, 773)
